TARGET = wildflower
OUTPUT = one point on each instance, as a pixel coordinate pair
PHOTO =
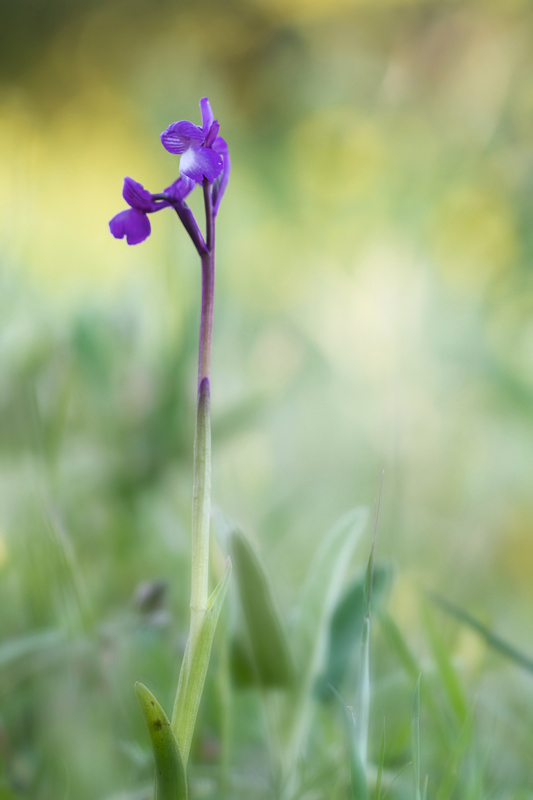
(204, 159)
(198, 147)
(133, 223)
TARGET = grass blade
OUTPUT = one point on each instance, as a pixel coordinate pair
(454, 762)
(346, 627)
(358, 781)
(494, 641)
(357, 769)
(170, 777)
(381, 761)
(412, 669)
(362, 697)
(448, 674)
(415, 738)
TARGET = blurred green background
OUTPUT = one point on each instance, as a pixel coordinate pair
(374, 311)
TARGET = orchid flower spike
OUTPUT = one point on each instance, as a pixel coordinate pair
(204, 158)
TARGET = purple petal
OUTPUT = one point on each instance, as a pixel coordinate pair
(180, 188)
(197, 162)
(220, 146)
(212, 135)
(180, 135)
(207, 115)
(136, 195)
(220, 186)
(132, 224)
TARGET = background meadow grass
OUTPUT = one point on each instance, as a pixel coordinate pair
(374, 310)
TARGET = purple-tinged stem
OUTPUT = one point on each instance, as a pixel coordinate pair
(208, 289)
(202, 446)
(191, 226)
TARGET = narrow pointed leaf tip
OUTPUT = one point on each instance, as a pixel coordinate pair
(272, 659)
(170, 776)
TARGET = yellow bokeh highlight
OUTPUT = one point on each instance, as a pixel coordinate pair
(312, 9)
(61, 182)
(337, 155)
(473, 236)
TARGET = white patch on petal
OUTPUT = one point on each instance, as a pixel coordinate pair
(187, 161)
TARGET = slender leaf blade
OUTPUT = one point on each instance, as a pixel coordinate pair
(415, 738)
(449, 678)
(362, 699)
(492, 639)
(170, 776)
(272, 660)
(456, 757)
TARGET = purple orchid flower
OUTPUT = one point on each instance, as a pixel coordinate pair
(133, 223)
(198, 147)
(204, 159)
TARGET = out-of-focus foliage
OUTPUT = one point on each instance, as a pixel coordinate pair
(374, 309)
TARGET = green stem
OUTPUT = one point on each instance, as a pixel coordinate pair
(201, 511)
(201, 503)
(184, 714)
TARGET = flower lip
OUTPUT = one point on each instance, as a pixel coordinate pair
(132, 224)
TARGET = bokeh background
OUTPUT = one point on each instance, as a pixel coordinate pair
(374, 311)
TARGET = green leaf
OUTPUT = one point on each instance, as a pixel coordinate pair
(243, 671)
(170, 777)
(319, 597)
(415, 738)
(194, 669)
(272, 661)
(346, 627)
